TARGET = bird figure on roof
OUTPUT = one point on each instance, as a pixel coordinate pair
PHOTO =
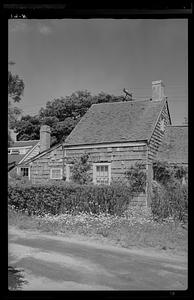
(127, 94)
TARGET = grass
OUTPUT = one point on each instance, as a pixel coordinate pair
(135, 229)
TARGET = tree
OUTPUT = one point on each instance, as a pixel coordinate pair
(15, 87)
(15, 91)
(62, 115)
(28, 128)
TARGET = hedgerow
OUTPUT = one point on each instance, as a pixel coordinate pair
(69, 198)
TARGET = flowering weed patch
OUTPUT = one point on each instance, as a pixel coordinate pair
(135, 228)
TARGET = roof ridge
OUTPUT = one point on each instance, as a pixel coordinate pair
(118, 102)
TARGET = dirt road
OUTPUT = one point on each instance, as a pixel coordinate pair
(52, 262)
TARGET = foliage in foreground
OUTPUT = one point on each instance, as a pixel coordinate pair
(135, 227)
(170, 191)
(170, 200)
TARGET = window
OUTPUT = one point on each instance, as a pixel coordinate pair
(24, 172)
(15, 151)
(56, 173)
(101, 173)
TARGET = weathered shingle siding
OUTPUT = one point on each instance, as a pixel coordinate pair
(40, 168)
(120, 158)
(158, 135)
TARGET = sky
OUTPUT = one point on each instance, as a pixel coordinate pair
(56, 57)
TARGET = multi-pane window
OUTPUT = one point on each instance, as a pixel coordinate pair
(102, 174)
(56, 173)
(24, 172)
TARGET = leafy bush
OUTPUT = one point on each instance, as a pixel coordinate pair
(73, 198)
(169, 195)
(136, 176)
(165, 172)
(170, 200)
(18, 178)
(80, 169)
(162, 172)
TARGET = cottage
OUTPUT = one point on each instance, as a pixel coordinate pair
(115, 136)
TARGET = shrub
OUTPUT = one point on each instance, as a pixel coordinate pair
(136, 177)
(14, 178)
(80, 169)
(62, 197)
(162, 172)
(170, 200)
(165, 172)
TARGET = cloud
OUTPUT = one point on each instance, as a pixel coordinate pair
(44, 29)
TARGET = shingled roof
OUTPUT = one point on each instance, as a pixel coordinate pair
(116, 122)
(174, 147)
(16, 158)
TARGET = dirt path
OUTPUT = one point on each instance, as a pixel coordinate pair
(57, 263)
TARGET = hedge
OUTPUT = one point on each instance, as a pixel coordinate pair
(60, 198)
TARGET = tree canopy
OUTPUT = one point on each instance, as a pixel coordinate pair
(61, 115)
(15, 91)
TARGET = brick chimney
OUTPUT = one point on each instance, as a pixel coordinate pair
(157, 90)
(45, 137)
(13, 135)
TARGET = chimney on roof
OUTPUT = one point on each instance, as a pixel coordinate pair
(13, 135)
(45, 137)
(157, 90)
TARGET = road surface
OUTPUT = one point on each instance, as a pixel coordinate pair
(50, 262)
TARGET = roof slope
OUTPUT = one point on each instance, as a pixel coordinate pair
(174, 147)
(116, 122)
(15, 158)
(24, 143)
